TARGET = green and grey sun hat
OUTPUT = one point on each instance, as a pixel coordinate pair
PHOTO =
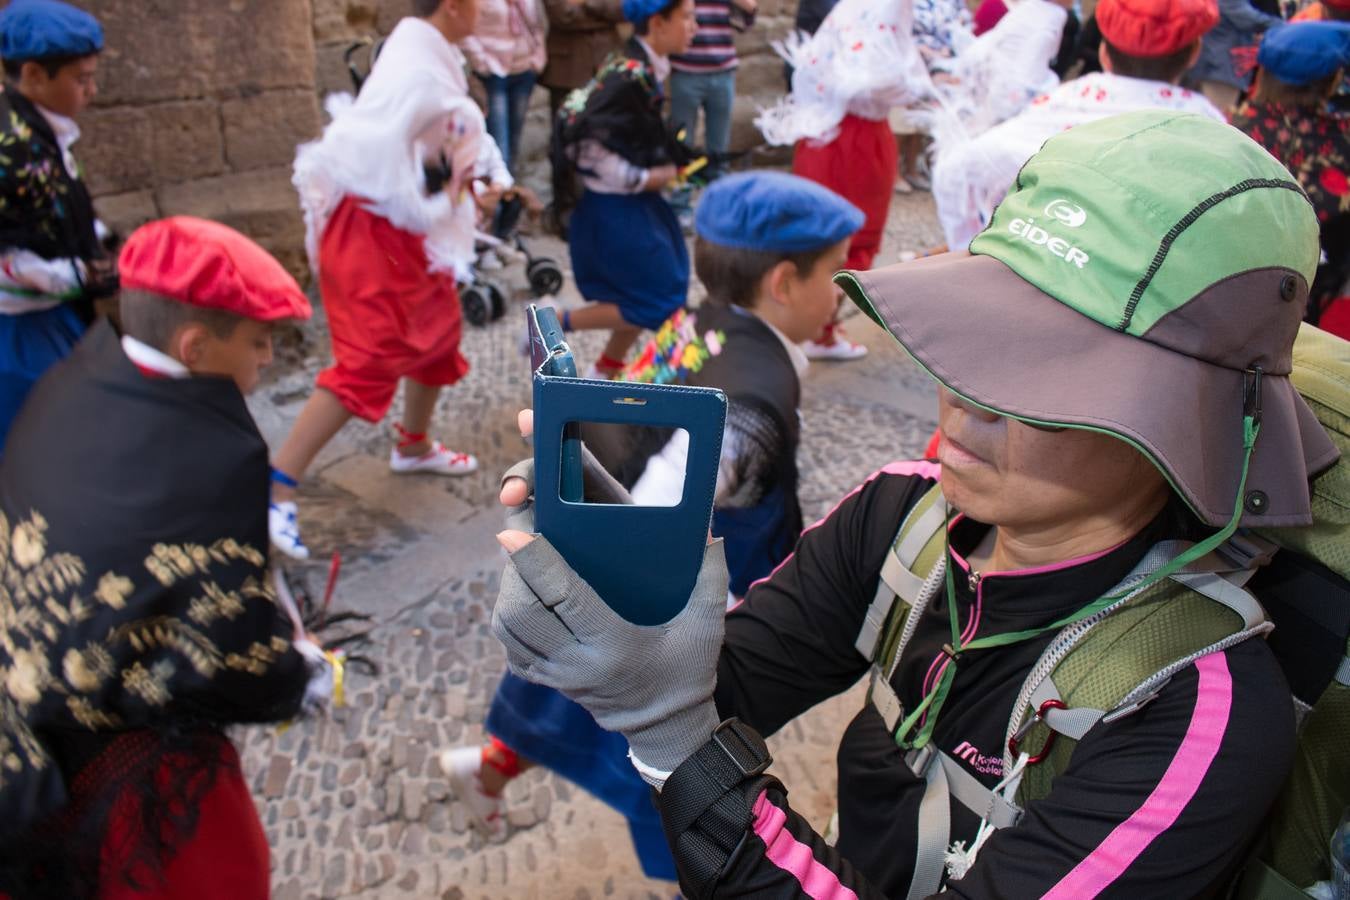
(1145, 277)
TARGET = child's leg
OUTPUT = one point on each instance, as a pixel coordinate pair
(418, 452)
(419, 404)
(322, 417)
(621, 338)
(500, 765)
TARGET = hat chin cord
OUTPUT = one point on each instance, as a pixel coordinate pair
(925, 715)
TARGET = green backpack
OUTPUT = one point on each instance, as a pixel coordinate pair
(1107, 666)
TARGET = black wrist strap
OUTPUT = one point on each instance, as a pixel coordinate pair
(706, 803)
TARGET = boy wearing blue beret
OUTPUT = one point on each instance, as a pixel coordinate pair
(1300, 65)
(53, 264)
(768, 246)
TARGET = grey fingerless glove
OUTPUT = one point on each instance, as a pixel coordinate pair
(653, 684)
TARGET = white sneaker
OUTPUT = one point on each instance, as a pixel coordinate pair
(463, 766)
(841, 349)
(438, 461)
(285, 530)
(489, 261)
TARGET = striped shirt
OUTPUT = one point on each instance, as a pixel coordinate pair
(714, 45)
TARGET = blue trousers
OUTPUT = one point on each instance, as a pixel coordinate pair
(715, 94)
(30, 344)
(508, 97)
(544, 726)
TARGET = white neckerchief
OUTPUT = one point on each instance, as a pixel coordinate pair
(660, 64)
(147, 357)
(414, 106)
(67, 133)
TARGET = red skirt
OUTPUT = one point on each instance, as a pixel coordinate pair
(860, 165)
(388, 316)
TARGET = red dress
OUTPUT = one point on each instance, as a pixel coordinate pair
(388, 316)
(861, 166)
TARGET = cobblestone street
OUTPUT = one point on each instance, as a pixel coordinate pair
(354, 804)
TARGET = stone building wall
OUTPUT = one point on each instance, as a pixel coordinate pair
(202, 103)
(200, 106)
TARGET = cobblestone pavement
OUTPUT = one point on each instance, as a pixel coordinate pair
(353, 804)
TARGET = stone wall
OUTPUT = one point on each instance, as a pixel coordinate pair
(200, 106)
(202, 103)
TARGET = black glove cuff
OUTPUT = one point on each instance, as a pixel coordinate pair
(707, 802)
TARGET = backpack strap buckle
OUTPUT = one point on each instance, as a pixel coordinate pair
(1052, 703)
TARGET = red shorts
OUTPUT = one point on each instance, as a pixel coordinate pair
(388, 316)
(860, 165)
(225, 859)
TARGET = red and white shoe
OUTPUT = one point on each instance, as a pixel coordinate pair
(438, 460)
(463, 766)
(839, 349)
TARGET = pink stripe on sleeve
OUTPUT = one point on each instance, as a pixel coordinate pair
(794, 857)
(1209, 722)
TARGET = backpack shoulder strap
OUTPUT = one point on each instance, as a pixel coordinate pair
(1106, 668)
(909, 579)
(915, 550)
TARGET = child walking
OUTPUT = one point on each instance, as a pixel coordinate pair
(141, 621)
(767, 247)
(390, 226)
(52, 261)
(628, 254)
(847, 77)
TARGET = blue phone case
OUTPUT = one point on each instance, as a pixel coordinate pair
(643, 561)
(550, 355)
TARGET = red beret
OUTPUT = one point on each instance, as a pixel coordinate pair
(212, 266)
(1155, 27)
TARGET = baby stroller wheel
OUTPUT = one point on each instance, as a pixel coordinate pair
(545, 276)
(476, 302)
(497, 300)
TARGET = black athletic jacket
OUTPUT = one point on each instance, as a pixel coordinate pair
(1161, 803)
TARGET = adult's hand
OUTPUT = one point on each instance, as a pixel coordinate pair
(653, 684)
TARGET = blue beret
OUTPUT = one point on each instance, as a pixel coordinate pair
(1304, 52)
(637, 10)
(35, 29)
(774, 212)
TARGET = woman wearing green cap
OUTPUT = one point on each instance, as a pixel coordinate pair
(1113, 357)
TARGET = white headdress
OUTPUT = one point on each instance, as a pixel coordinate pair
(413, 107)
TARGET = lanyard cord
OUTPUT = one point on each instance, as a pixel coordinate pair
(932, 702)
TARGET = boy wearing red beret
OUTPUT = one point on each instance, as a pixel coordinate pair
(390, 227)
(140, 619)
(1147, 46)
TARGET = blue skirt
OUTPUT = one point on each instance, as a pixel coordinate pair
(628, 249)
(544, 726)
(30, 344)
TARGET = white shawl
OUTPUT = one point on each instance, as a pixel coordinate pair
(971, 178)
(414, 106)
(862, 60)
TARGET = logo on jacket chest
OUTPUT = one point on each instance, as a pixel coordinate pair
(971, 756)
